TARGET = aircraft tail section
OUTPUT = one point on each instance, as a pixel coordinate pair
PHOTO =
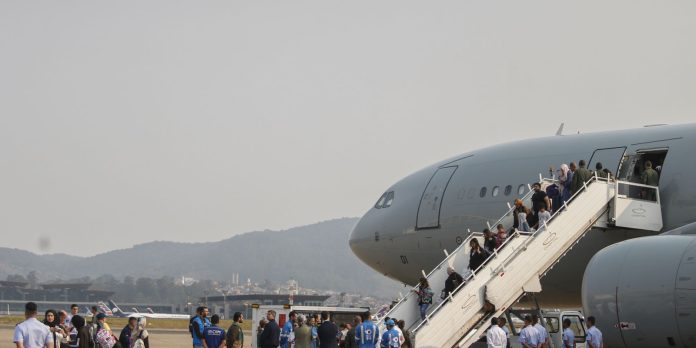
(105, 309)
(117, 312)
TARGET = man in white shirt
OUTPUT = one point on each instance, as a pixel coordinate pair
(502, 322)
(543, 333)
(32, 333)
(594, 336)
(568, 335)
(529, 336)
(495, 337)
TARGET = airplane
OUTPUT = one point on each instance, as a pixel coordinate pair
(117, 312)
(433, 209)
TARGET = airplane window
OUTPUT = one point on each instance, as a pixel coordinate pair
(508, 190)
(495, 191)
(483, 192)
(381, 201)
(385, 201)
(390, 199)
(520, 190)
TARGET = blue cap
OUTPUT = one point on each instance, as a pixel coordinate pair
(101, 316)
(390, 322)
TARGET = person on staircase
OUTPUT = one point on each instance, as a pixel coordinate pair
(425, 296)
(539, 199)
(580, 176)
(488, 241)
(477, 255)
(452, 282)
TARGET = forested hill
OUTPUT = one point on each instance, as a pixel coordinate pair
(317, 256)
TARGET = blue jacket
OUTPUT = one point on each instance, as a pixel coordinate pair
(285, 334)
(390, 339)
(199, 326)
(367, 334)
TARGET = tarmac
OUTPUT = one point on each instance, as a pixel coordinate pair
(158, 338)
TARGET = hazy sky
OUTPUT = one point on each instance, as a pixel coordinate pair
(130, 121)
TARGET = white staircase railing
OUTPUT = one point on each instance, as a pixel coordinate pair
(517, 266)
(407, 307)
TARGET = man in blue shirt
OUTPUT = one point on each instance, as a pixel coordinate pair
(286, 333)
(594, 336)
(529, 336)
(213, 334)
(367, 333)
(390, 338)
(200, 322)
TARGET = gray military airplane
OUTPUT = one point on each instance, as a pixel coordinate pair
(433, 209)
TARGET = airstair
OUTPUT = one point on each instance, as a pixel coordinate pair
(518, 265)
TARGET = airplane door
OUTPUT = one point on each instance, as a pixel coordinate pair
(610, 158)
(431, 201)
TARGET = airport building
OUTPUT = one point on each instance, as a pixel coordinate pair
(14, 295)
(242, 303)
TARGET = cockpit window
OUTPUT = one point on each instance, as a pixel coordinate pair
(386, 200)
(390, 199)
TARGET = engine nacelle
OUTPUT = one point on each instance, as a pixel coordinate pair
(643, 292)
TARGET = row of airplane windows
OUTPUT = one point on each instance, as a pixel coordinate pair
(508, 190)
(385, 201)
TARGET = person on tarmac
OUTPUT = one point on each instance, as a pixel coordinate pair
(367, 333)
(390, 338)
(568, 335)
(543, 333)
(529, 336)
(286, 333)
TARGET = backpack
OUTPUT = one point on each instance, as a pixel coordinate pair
(191, 323)
(105, 339)
(139, 343)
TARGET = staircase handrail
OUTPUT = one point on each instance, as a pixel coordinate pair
(519, 249)
(463, 245)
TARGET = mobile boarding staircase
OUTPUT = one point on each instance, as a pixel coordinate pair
(518, 265)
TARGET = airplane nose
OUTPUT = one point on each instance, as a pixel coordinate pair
(359, 239)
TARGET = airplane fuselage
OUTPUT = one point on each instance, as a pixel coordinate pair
(433, 209)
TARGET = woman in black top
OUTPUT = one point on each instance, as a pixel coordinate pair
(477, 255)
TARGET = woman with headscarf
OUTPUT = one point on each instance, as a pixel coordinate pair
(51, 320)
(565, 178)
(140, 336)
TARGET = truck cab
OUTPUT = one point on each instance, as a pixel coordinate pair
(553, 321)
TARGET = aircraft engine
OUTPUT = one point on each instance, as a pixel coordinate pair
(642, 292)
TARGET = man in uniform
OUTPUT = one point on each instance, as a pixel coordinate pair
(601, 173)
(580, 176)
(32, 333)
(235, 334)
(649, 177)
(366, 334)
(390, 338)
(568, 335)
(543, 333)
(529, 336)
(594, 336)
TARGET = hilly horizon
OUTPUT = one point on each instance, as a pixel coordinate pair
(316, 255)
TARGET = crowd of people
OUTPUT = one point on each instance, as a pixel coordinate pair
(61, 329)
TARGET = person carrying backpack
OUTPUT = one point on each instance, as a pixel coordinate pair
(198, 325)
